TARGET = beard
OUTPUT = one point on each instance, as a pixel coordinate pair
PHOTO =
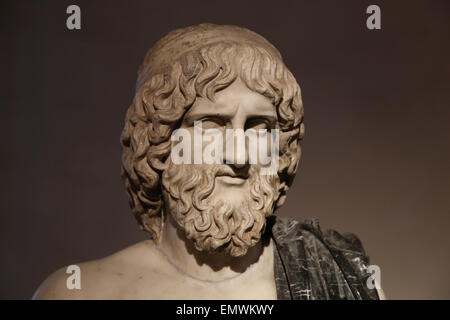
(215, 224)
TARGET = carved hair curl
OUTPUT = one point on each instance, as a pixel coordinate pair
(162, 100)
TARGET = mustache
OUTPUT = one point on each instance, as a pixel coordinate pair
(245, 172)
(191, 184)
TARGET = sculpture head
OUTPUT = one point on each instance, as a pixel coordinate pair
(227, 77)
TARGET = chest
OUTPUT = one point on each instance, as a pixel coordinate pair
(178, 287)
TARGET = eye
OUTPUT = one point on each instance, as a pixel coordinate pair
(258, 124)
(212, 123)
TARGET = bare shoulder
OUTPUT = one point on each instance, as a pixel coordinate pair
(102, 278)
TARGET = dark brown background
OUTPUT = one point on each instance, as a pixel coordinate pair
(376, 153)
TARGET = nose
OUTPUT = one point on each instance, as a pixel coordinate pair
(236, 149)
(240, 168)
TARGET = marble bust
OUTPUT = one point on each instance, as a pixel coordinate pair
(213, 233)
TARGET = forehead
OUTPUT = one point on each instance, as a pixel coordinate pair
(235, 99)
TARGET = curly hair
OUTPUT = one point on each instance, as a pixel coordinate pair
(169, 82)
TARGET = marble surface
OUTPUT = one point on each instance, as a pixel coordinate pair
(314, 265)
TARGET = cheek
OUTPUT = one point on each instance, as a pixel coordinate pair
(261, 147)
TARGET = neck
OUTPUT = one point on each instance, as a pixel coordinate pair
(206, 266)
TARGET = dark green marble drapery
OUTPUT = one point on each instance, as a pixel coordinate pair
(313, 265)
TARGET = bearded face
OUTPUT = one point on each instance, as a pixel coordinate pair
(224, 206)
(232, 221)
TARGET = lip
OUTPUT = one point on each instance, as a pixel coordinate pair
(231, 180)
(240, 173)
(232, 175)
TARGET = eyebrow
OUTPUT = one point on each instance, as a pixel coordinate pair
(269, 116)
(193, 117)
(205, 114)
